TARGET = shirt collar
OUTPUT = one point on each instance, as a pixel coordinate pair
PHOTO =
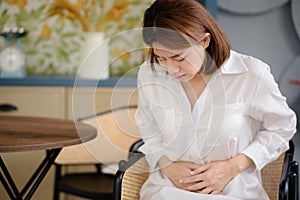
(234, 64)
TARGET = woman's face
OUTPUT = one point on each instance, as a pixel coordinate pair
(183, 64)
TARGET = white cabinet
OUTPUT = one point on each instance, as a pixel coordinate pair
(34, 101)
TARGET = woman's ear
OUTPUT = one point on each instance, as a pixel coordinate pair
(205, 40)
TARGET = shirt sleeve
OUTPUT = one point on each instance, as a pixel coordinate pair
(278, 122)
(148, 128)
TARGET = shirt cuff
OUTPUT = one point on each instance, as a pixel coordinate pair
(260, 154)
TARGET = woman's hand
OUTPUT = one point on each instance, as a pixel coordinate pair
(211, 178)
(177, 171)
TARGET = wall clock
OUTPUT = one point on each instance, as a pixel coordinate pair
(12, 55)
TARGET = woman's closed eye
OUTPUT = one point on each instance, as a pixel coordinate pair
(179, 59)
(162, 59)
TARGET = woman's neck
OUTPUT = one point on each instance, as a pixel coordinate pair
(194, 87)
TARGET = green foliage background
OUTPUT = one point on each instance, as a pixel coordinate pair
(58, 54)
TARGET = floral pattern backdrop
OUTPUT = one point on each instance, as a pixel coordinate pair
(56, 27)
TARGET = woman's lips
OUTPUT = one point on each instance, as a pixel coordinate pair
(180, 76)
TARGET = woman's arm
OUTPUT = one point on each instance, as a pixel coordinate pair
(145, 118)
(278, 122)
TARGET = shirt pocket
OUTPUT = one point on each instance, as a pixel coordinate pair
(225, 124)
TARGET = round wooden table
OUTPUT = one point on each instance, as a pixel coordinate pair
(18, 134)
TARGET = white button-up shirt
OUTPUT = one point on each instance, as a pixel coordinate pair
(241, 110)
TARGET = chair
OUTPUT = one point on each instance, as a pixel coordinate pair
(280, 177)
(87, 170)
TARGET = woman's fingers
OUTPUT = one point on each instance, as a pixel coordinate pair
(192, 166)
(206, 190)
(192, 179)
(200, 169)
(196, 175)
(203, 188)
(196, 187)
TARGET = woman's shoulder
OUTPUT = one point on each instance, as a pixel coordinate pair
(145, 68)
(254, 64)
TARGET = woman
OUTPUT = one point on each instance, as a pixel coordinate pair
(211, 118)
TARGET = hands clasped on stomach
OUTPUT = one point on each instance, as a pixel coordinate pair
(210, 178)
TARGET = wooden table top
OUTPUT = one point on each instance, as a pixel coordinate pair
(37, 133)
